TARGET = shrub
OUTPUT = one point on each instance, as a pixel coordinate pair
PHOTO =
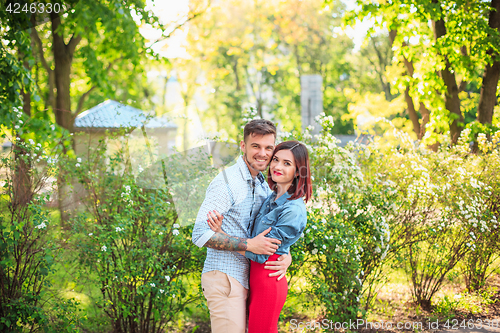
(347, 236)
(27, 247)
(130, 239)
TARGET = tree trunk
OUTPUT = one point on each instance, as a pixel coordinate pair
(63, 58)
(62, 70)
(425, 118)
(418, 128)
(22, 189)
(452, 102)
(412, 113)
(488, 98)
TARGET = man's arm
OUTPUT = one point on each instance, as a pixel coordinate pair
(280, 266)
(220, 241)
(259, 244)
(217, 197)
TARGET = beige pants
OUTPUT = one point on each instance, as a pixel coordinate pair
(227, 300)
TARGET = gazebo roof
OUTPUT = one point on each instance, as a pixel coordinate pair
(113, 115)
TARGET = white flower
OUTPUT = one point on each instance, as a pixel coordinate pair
(78, 159)
(324, 247)
(162, 291)
(160, 233)
(314, 227)
(175, 232)
(176, 225)
(314, 251)
(16, 127)
(77, 165)
(167, 277)
(323, 220)
(152, 285)
(118, 229)
(31, 141)
(90, 234)
(173, 296)
(104, 248)
(41, 225)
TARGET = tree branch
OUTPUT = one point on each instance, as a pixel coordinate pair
(45, 64)
(73, 42)
(38, 41)
(180, 25)
(82, 99)
(86, 94)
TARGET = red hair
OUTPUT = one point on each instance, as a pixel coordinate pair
(301, 185)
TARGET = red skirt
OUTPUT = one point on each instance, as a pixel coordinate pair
(266, 299)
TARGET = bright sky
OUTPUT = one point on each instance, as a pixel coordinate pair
(174, 11)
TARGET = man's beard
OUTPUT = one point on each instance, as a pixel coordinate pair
(251, 165)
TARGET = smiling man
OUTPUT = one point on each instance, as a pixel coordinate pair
(237, 193)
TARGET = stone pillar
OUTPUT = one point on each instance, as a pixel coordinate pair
(311, 101)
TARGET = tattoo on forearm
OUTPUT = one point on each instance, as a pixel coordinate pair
(227, 243)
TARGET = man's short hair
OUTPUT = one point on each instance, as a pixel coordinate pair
(259, 127)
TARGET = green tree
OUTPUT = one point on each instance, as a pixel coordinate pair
(446, 46)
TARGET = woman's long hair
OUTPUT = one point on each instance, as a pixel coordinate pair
(301, 184)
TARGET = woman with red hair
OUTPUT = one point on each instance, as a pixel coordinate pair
(285, 212)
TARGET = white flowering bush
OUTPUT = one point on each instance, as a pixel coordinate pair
(479, 206)
(130, 240)
(440, 210)
(28, 248)
(377, 206)
(347, 237)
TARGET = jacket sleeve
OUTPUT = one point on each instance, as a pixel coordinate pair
(217, 198)
(289, 226)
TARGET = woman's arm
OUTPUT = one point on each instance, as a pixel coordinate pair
(215, 221)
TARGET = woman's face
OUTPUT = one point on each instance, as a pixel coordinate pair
(282, 167)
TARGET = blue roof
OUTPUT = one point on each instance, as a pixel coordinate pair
(111, 114)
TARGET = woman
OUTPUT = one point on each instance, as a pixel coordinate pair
(284, 211)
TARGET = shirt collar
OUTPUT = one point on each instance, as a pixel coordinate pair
(246, 173)
(281, 200)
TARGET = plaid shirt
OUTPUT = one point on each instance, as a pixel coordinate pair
(237, 196)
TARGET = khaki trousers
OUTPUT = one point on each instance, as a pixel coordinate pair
(227, 302)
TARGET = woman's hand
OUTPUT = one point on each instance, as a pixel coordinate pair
(215, 221)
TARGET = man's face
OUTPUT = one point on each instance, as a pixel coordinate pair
(257, 151)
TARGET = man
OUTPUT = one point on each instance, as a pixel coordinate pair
(237, 193)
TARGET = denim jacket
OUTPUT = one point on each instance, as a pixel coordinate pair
(287, 218)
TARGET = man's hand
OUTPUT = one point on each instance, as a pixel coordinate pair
(284, 261)
(263, 245)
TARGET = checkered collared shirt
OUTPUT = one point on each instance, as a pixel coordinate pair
(237, 196)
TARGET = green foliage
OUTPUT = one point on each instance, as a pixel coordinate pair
(347, 237)
(27, 249)
(373, 206)
(131, 239)
(438, 66)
